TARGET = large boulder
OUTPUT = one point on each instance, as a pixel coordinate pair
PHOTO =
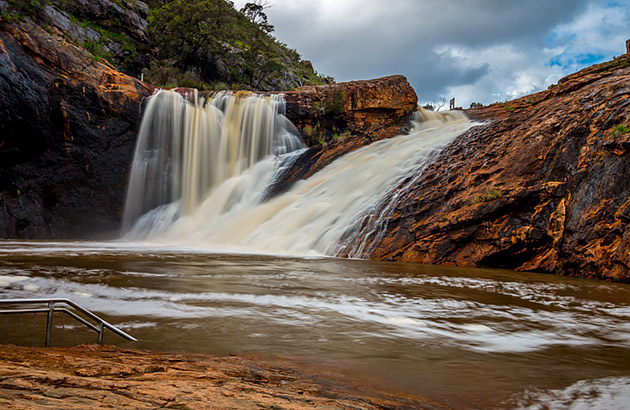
(375, 109)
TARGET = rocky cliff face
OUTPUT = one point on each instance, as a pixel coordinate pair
(543, 185)
(69, 128)
(67, 135)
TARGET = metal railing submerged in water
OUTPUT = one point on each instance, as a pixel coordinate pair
(81, 316)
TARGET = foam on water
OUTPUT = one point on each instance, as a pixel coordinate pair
(230, 210)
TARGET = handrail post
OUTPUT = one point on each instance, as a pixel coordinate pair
(88, 318)
(49, 322)
(101, 330)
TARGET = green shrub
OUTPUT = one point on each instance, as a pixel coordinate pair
(486, 196)
(30, 8)
(98, 50)
(341, 137)
(619, 130)
(10, 16)
(307, 131)
(334, 106)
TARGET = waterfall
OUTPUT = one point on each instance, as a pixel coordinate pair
(219, 203)
(359, 241)
(189, 145)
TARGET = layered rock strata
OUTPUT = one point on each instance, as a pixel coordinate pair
(68, 132)
(543, 185)
(374, 109)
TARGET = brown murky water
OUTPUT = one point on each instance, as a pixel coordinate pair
(468, 338)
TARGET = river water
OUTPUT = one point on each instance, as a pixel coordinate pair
(468, 338)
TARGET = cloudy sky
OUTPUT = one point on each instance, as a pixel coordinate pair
(473, 50)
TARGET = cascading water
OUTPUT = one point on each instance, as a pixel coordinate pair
(189, 145)
(228, 213)
(369, 229)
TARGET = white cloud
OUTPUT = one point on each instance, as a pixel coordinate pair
(597, 34)
(513, 71)
(478, 50)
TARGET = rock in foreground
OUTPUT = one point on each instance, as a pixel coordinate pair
(88, 377)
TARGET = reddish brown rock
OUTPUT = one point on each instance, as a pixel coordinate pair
(339, 118)
(543, 185)
(376, 109)
(67, 135)
(89, 377)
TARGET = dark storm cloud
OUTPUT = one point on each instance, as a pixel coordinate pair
(444, 47)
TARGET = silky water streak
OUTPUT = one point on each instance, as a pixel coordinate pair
(315, 214)
(190, 144)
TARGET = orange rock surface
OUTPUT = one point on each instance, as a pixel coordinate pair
(90, 377)
(543, 185)
(68, 134)
(376, 109)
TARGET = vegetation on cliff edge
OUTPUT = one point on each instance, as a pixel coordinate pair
(208, 40)
(206, 44)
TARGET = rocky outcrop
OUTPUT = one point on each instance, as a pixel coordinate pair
(336, 119)
(373, 109)
(543, 185)
(126, 17)
(68, 132)
(109, 31)
(94, 376)
(115, 31)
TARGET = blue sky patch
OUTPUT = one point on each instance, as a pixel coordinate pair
(589, 58)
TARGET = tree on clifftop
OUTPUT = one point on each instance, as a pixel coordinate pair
(192, 33)
(199, 43)
(255, 12)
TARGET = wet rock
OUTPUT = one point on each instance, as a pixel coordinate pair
(68, 132)
(77, 378)
(541, 186)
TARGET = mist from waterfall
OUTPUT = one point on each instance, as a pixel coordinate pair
(217, 199)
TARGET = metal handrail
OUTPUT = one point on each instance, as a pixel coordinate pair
(99, 327)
